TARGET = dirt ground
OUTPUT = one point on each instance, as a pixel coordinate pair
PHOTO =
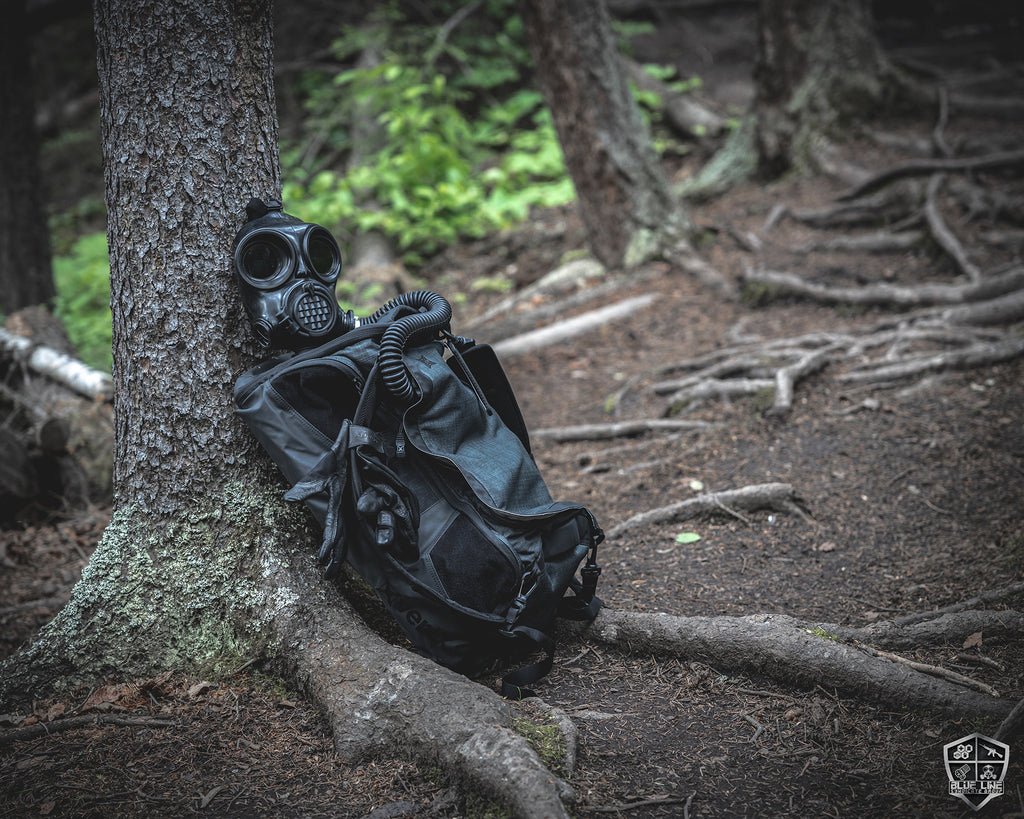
(912, 495)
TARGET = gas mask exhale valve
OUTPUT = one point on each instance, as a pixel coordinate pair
(286, 270)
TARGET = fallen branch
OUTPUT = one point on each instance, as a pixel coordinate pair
(778, 647)
(778, 496)
(570, 328)
(43, 729)
(687, 116)
(559, 282)
(57, 366)
(622, 429)
(933, 670)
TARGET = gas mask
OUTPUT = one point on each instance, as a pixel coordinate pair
(286, 270)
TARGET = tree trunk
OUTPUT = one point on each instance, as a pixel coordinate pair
(26, 277)
(189, 135)
(202, 558)
(624, 197)
(819, 68)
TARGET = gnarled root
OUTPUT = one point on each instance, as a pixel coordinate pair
(795, 653)
(378, 697)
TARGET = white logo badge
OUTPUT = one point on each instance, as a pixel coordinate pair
(976, 765)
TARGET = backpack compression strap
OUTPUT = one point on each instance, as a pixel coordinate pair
(582, 605)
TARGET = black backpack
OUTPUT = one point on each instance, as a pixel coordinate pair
(409, 448)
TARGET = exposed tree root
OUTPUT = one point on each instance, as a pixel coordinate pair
(942, 234)
(778, 496)
(882, 294)
(1012, 725)
(977, 354)
(952, 628)
(878, 242)
(923, 167)
(797, 653)
(378, 697)
(886, 206)
(1002, 310)
(991, 596)
(955, 328)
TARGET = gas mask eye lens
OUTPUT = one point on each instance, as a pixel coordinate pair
(323, 254)
(264, 258)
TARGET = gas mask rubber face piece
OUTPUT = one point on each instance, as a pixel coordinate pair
(286, 270)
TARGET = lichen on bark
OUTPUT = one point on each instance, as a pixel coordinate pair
(161, 594)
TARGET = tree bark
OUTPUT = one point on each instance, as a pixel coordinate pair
(819, 67)
(624, 197)
(189, 135)
(202, 557)
(26, 276)
(802, 654)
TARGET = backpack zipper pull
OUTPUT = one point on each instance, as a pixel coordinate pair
(400, 442)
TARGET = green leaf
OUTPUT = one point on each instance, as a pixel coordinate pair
(687, 537)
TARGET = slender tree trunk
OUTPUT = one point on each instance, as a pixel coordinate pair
(624, 197)
(26, 276)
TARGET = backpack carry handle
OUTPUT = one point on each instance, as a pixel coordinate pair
(437, 317)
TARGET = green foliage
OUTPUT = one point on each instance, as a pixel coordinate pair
(464, 146)
(82, 281)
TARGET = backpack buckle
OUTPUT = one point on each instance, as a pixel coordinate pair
(589, 573)
(516, 609)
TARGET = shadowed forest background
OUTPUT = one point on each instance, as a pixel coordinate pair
(902, 478)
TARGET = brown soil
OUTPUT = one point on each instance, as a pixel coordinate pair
(914, 503)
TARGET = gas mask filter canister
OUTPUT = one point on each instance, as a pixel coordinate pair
(286, 270)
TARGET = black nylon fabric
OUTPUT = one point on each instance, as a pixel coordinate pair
(439, 506)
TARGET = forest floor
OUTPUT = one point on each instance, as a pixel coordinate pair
(912, 491)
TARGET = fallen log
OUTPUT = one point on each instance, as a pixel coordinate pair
(687, 116)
